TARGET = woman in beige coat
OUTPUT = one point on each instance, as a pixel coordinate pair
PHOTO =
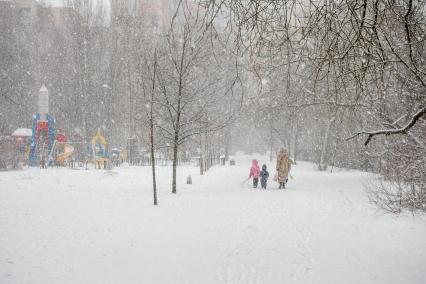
(283, 167)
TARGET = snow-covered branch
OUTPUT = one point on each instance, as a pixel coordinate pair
(401, 130)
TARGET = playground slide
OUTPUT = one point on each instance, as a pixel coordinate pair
(68, 151)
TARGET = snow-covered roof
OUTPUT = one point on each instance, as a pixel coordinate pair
(43, 88)
(22, 132)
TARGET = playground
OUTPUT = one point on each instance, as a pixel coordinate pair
(44, 146)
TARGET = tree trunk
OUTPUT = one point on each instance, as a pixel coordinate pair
(271, 145)
(176, 139)
(333, 157)
(178, 114)
(175, 156)
(154, 183)
(201, 155)
(226, 145)
(322, 165)
(151, 126)
(296, 144)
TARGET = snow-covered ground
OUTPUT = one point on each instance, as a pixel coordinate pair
(79, 226)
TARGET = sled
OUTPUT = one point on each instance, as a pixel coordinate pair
(244, 182)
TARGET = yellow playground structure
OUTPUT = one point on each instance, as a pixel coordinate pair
(61, 151)
(99, 152)
(67, 152)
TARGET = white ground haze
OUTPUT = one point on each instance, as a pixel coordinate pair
(95, 226)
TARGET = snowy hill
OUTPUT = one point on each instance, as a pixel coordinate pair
(69, 226)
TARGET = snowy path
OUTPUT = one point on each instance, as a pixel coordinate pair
(65, 226)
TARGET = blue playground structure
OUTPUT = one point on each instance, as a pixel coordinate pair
(42, 139)
(43, 132)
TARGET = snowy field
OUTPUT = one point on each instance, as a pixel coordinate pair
(78, 226)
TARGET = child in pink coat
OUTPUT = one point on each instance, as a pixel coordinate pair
(254, 172)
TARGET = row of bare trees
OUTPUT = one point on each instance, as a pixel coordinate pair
(159, 88)
(323, 78)
(342, 74)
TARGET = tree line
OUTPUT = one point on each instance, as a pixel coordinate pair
(341, 84)
(344, 82)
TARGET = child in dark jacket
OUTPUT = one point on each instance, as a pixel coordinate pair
(264, 175)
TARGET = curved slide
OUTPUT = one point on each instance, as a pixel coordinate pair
(68, 151)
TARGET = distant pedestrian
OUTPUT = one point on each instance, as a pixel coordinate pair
(255, 172)
(264, 175)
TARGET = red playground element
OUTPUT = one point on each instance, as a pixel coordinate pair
(42, 125)
(61, 138)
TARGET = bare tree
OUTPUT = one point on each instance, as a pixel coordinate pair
(151, 125)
